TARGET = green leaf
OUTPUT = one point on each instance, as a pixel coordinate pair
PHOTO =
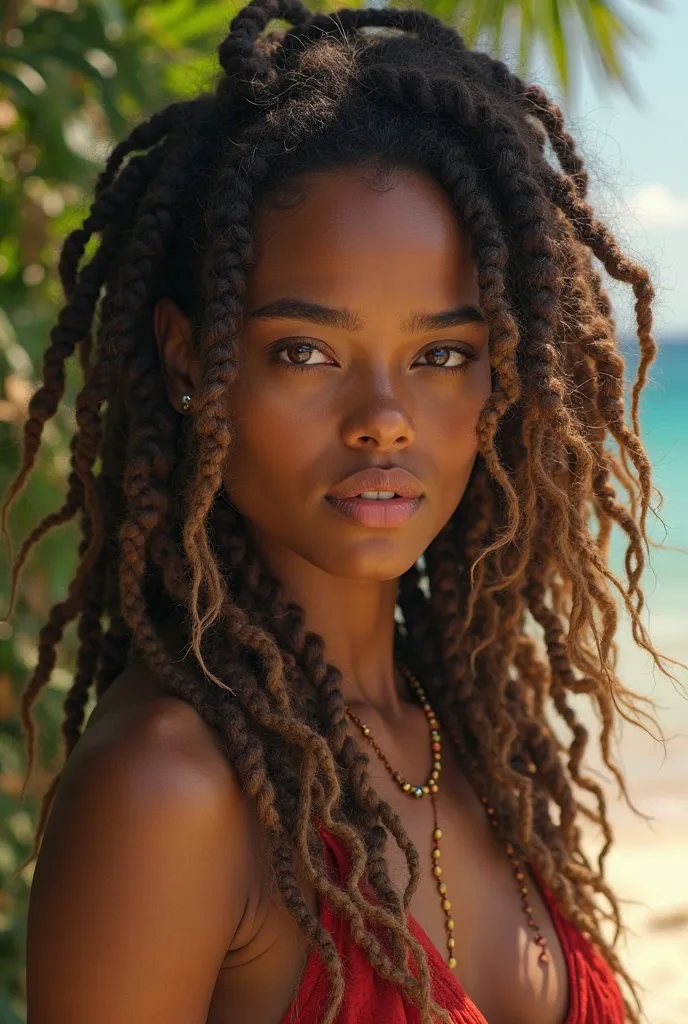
(208, 21)
(551, 23)
(37, 57)
(557, 43)
(161, 23)
(476, 20)
(118, 123)
(609, 31)
(526, 35)
(12, 82)
(114, 14)
(78, 32)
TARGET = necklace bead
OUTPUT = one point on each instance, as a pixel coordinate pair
(431, 789)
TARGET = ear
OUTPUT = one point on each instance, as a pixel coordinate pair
(180, 369)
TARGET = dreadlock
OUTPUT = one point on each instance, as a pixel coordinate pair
(510, 611)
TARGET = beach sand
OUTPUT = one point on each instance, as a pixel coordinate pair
(648, 865)
(648, 869)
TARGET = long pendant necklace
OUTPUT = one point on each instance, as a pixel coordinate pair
(431, 788)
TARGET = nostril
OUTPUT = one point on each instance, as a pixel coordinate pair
(367, 439)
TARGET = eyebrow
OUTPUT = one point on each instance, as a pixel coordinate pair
(466, 314)
(313, 312)
(345, 319)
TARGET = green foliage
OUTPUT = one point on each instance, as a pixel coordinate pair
(74, 74)
(559, 29)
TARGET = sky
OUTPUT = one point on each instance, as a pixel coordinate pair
(637, 155)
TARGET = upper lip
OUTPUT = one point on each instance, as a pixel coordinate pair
(403, 483)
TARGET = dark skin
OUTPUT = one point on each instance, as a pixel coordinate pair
(368, 396)
(379, 389)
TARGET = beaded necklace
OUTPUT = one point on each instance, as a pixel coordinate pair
(431, 788)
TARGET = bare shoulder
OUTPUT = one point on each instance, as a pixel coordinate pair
(160, 745)
(150, 828)
(137, 697)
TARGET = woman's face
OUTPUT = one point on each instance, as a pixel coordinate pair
(363, 348)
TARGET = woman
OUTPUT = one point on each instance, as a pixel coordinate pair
(339, 449)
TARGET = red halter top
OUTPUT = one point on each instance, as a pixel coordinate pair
(594, 996)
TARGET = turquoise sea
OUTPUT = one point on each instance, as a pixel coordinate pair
(661, 780)
(664, 430)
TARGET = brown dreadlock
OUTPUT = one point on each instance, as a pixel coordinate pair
(511, 609)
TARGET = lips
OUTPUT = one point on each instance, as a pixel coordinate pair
(399, 481)
(383, 498)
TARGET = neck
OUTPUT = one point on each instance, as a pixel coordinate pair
(355, 618)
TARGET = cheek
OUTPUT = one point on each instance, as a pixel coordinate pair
(453, 434)
(274, 442)
(454, 418)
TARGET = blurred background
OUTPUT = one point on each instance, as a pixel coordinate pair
(74, 76)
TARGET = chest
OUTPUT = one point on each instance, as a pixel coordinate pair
(497, 960)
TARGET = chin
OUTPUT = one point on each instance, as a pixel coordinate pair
(376, 558)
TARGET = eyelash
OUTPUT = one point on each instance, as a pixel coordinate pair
(469, 356)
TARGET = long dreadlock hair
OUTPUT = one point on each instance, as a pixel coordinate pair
(510, 611)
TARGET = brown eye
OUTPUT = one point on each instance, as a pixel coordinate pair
(445, 357)
(438, 356)
(300, 353)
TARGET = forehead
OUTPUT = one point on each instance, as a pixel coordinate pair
(393, 239)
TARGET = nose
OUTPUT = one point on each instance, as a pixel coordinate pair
(379, 425)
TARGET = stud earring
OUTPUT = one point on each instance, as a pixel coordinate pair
(186, 403)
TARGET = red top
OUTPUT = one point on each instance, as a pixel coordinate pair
(594, 996)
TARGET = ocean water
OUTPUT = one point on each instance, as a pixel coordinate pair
(664, 431)
(659, 775)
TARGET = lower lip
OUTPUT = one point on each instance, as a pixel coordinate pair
(373, 512)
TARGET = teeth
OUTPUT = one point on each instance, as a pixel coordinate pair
(377, 495)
